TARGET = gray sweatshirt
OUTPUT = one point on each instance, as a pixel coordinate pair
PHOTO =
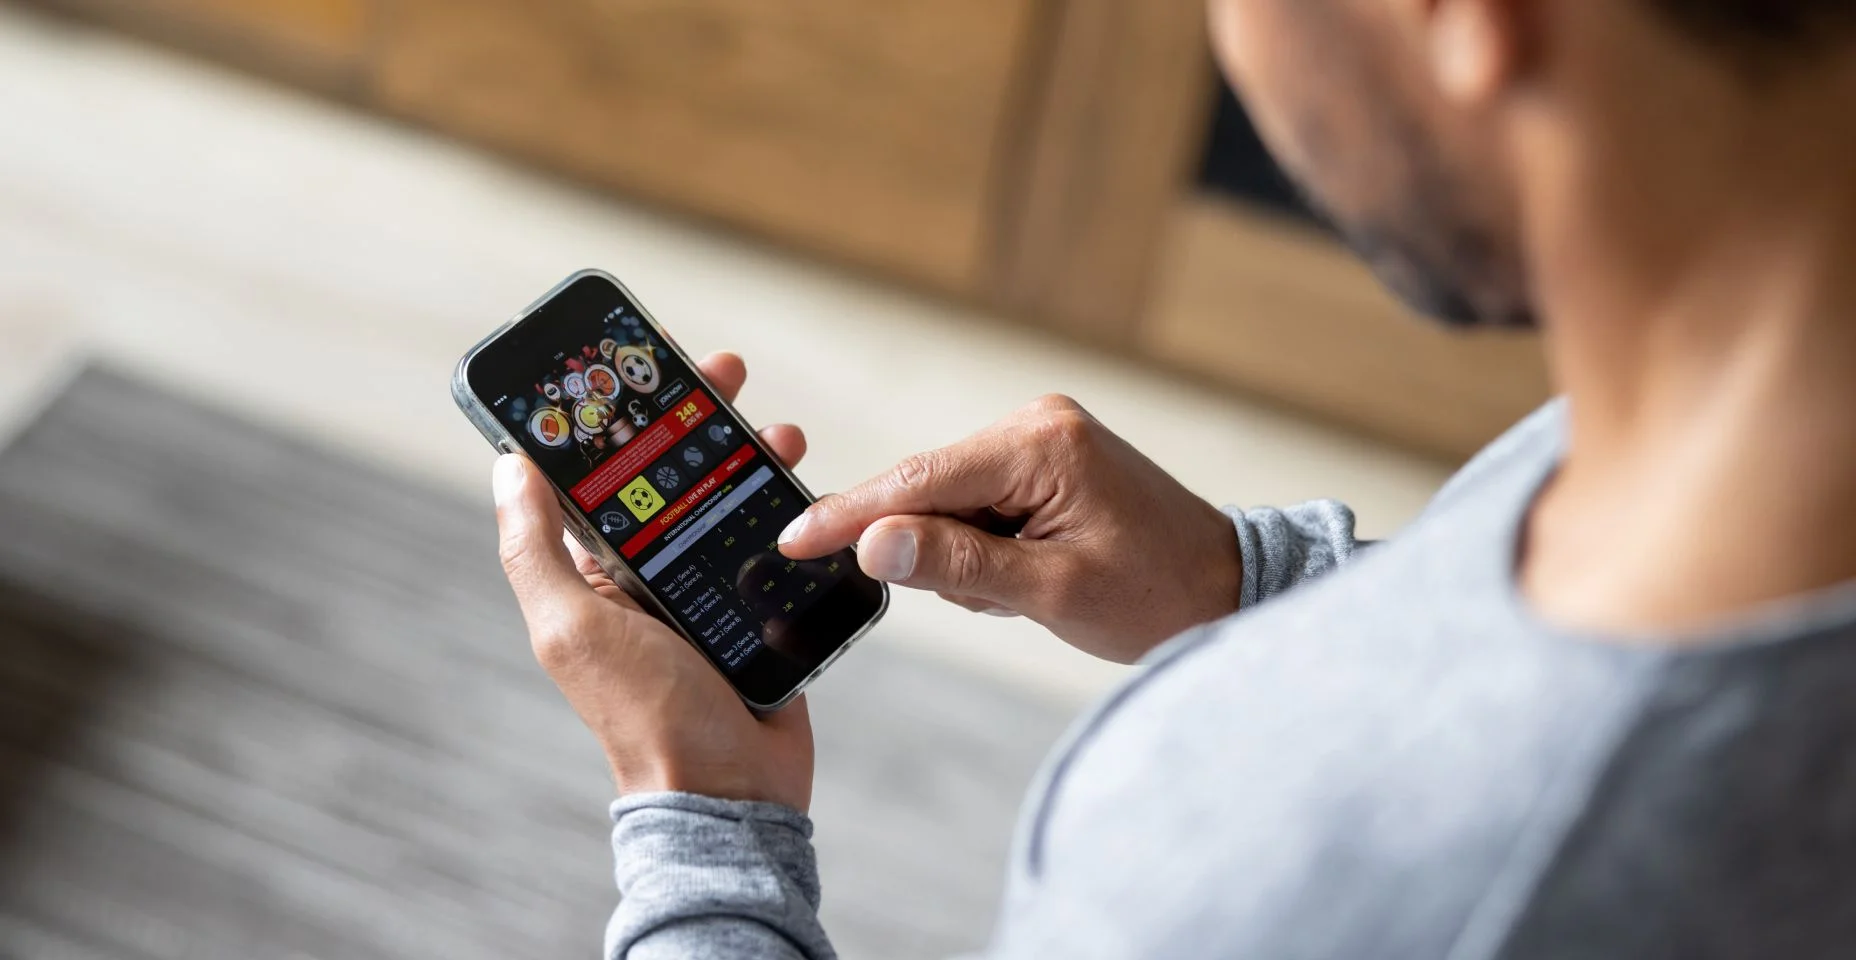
(1395, 760)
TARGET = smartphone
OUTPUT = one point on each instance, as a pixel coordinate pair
(664, 483)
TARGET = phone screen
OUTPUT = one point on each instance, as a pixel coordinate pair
(682, 491)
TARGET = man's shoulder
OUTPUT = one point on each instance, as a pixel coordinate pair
(1306, 759)
(1539, 434)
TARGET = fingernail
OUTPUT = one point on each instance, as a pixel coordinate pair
(507, 477)
(795, 529)
(999, 612)
(888, 554)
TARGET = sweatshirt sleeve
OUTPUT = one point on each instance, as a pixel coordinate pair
(1286, 547)
(705, 879)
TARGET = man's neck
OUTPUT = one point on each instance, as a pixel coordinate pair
(1710, 365)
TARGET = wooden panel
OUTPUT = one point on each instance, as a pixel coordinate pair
(1278, 309)
(864, 130)
(1115, 131)
(319, 43)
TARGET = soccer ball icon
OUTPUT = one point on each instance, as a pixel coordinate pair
(640, 499)
(637, 369)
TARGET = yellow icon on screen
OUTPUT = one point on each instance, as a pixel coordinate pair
(641, 498)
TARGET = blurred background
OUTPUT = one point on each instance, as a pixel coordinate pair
(265, 693)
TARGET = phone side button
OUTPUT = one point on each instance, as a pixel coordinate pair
(508, 446)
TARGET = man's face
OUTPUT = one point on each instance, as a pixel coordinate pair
(1342, 92)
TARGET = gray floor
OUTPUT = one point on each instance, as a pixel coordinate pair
(260, 701)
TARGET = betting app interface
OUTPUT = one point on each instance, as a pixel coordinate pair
(669, 479)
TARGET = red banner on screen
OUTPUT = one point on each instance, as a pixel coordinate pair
(608, 477)
(668, 517)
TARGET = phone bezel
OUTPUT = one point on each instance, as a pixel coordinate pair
(481, 417)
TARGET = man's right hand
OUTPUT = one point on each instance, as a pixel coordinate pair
(1048, 515)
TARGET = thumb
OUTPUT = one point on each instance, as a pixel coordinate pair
(528, 520)
(946, 555)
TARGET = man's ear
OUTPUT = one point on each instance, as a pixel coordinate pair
(1479, 49)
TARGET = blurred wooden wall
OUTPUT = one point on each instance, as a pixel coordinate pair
(1034, 156)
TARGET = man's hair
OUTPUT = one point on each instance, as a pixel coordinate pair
(1769, 27)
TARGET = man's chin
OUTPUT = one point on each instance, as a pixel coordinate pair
(1452, 309)
(1429, 295)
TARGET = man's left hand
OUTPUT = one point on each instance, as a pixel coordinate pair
(666, 718)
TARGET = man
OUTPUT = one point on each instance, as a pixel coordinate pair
(1600, 701)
